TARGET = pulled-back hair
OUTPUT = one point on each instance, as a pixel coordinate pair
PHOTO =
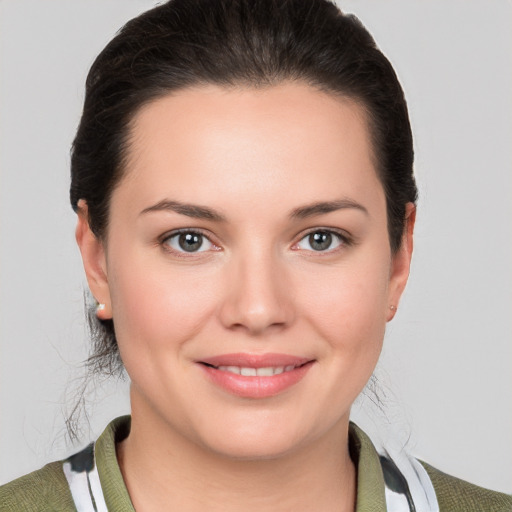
(252, 43)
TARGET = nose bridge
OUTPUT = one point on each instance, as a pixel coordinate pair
(256, 292)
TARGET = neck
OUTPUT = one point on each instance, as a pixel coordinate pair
(165, 471)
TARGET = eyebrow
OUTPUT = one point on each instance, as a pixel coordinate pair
(323, 207)
(203, 212)
(190, 210)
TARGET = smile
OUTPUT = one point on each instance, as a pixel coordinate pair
(267, 371)
(255, 376)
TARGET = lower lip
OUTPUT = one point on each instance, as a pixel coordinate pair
(256, 387)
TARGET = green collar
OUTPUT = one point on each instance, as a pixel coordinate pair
(112, 483)
(370, 481)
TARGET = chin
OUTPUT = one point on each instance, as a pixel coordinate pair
(246, 448)
(262, 438)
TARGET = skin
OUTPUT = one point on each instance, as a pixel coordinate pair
(253, 156)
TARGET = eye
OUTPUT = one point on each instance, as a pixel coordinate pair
(188, 241)
(321, 241)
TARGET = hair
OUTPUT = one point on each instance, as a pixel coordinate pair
(233, 43)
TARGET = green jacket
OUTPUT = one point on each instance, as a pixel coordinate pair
(47, 489)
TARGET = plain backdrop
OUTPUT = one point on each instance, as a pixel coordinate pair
(446, 367)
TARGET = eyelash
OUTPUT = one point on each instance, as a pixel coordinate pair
(344, 240)
(186, 231)
(342, 237)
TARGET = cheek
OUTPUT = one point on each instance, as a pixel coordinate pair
(349, 303)
(156, 305)
(347, 309)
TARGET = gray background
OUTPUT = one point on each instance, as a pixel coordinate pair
(446, 367)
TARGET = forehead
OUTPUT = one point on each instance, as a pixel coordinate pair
(290, 141)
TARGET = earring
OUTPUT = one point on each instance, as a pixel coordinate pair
(100, 307)
(393, 308)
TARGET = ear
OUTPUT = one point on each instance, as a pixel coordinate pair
(401, 262)
(94, 260)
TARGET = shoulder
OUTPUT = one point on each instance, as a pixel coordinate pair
(89, 478)
(455, 495)
(42, 490)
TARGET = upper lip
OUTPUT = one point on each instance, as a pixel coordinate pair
(255, 360)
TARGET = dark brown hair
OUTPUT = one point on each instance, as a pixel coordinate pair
(253, 43)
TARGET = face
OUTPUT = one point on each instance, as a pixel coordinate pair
(247, 266)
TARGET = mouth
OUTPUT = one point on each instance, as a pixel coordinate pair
(255, 376)
(248, 371)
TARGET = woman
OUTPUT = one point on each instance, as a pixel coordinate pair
(242, 176)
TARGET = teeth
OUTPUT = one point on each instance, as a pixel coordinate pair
(264, 372)
(268, 371)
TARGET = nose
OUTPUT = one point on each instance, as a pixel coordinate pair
(257, 297)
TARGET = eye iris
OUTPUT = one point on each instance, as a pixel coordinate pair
(190, 242)
(320, 240)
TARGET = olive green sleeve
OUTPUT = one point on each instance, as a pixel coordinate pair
(43, 490)
(456, 495)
